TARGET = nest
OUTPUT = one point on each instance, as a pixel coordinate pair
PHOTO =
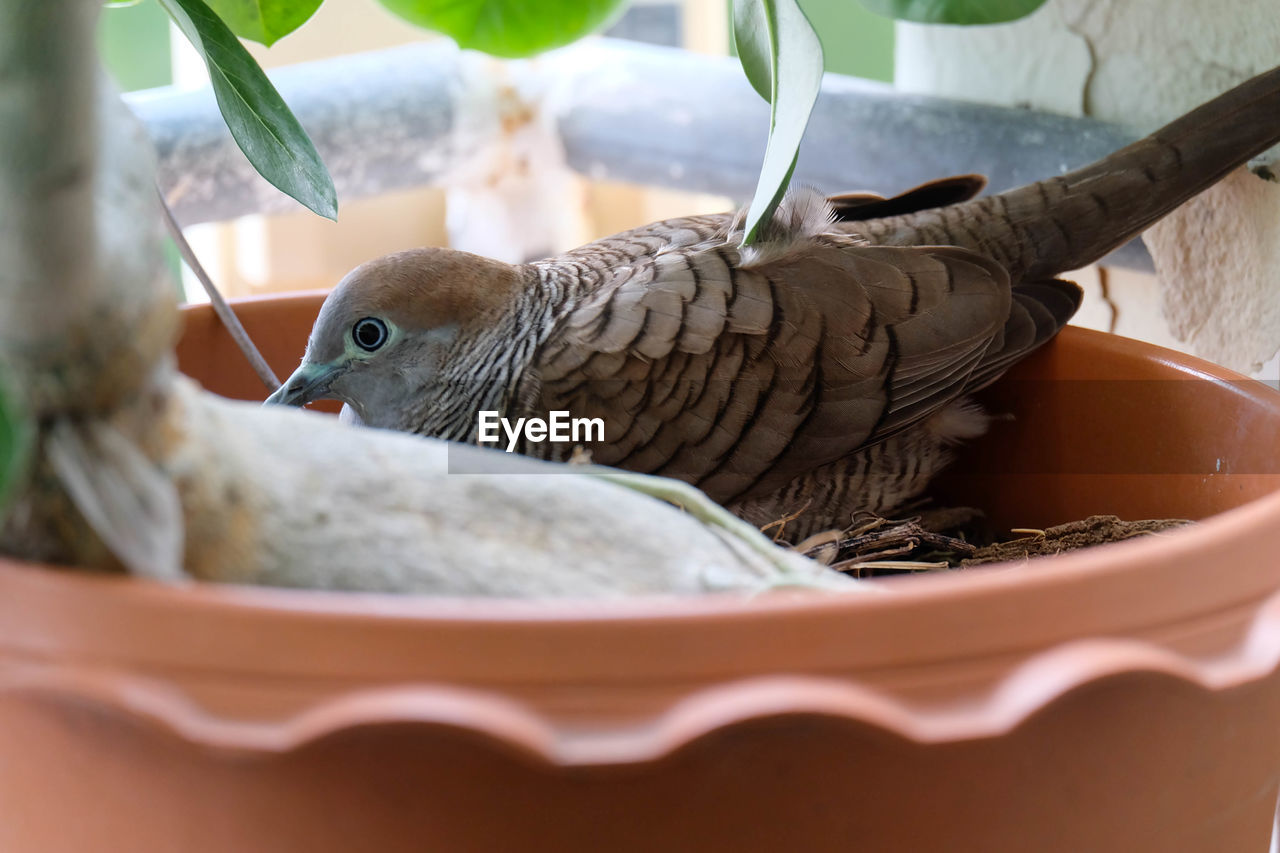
(944, 539)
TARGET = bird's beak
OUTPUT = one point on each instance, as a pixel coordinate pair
(309, 382)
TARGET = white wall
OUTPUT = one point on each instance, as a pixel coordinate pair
(1142, 63)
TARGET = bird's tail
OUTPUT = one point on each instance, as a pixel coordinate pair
(1074, 220)
(1067, 222)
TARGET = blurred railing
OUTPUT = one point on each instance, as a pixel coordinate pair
(412, 116)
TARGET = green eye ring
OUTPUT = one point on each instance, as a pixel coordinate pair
(370, 334)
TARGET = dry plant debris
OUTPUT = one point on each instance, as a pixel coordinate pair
(1094, 530)
(952, 538)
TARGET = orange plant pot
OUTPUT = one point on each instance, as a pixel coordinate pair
(1124, 698)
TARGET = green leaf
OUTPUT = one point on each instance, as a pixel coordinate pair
(15, 441)
(264, 128)
(264, 21)
(511, 28)
(778, 29)
(954, 11)
(753, 43)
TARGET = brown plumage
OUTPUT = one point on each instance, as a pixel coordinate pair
(823, 369)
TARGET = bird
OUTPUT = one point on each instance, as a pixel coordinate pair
(824, 370)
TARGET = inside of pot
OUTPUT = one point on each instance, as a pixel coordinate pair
(1092, 424)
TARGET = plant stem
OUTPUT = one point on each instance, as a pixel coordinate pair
(220, 306)
(695, 502)
(48, 159)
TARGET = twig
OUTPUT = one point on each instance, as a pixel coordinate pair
(220, 306)
(904, 565)
(782, 523)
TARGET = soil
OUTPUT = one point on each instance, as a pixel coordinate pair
(956, 538)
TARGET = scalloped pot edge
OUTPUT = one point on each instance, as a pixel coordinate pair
(1033, 688)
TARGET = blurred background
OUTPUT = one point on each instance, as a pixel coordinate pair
(301, 251)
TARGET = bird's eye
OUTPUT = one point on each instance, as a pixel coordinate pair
(369, 333)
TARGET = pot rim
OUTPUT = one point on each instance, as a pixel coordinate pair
(1094, 592)
(1211, 534)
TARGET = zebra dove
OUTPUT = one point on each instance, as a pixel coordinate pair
(822, 371)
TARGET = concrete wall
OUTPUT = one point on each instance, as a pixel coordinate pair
(1142, 62)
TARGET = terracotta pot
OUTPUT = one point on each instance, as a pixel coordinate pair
(1120, 699)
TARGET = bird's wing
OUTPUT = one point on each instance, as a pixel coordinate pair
(856, 207)
(904, 330)
(739, 379)
(1038, 312)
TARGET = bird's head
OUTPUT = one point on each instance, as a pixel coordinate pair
(386, 331)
